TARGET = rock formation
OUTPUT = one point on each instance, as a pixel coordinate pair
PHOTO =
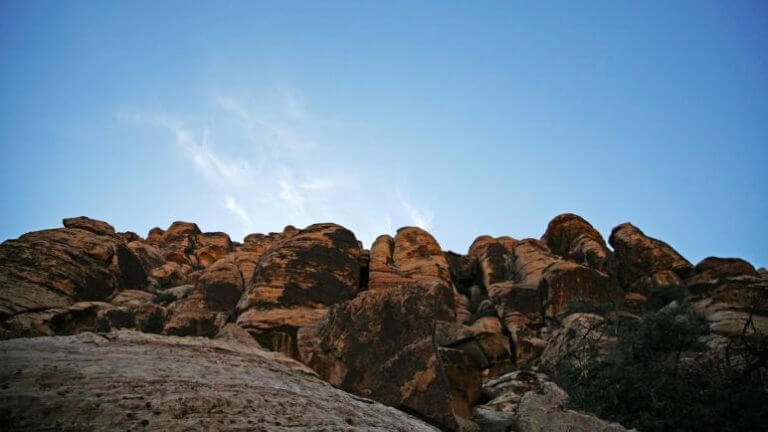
(452, 339)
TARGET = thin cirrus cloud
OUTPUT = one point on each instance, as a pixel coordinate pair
(272, 179)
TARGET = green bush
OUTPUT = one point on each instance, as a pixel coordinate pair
(659, 377)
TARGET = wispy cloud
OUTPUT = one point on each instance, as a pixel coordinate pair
(263, 158)
(231, 204)
(421, 218)
(214, 167)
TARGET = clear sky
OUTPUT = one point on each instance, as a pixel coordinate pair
(467, 118)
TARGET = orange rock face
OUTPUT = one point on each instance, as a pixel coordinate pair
(296, 281)
(379, 345)
(58, 267)
(210, 304)
(638, 255)
(573, 238)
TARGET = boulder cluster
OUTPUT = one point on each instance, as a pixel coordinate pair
(451, 339)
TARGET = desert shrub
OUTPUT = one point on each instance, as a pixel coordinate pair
(660, 376)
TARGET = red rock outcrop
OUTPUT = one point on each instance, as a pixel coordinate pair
(638, 255)
(88, 224)
(210, 304)
(380, 345)
(58, 267)
(295, 282)
(412, 257)
(573, 238)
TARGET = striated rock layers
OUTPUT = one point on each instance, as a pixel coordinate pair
(223, 325)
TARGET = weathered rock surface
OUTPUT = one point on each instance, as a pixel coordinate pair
(380, 345)
(527, 401)
(58, 267)
(296, 281)
(638, 255)
(413, 257)
(573, 238)
(88, 224)
(134, 381)
(208, 307)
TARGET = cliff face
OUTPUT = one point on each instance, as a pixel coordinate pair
(430, 332)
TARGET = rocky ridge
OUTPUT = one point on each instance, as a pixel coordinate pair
(432, 333)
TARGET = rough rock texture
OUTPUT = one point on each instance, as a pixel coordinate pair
(77, 318)
(582, 336)
(492, 258)
(134, 381)
(542, 412)
(405, 323)
(150, 256)
(572, 237)
(380, 345)
(565, 281)
(413, 257)
(296, 281)
(527, 401)
(88, 224)
(638, 255)
(210, 304)
(56, 268)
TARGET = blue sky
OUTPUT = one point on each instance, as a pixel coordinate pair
(467, 118)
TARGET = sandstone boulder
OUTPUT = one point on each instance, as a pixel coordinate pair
(412, 257)
(56, 268)
(638, 255)
(88, 224)
(708, 273)
(77, 318)
(296, 281)
(565, 282)
(171, 274)
(150, 256)
(210, 304)
(573, 238)
(380, 345)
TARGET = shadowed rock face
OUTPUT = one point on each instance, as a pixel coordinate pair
(380, 345)
(56, 268)
(295, 282)
(638, 255)
(573, 238)
(134, 381)
(210, 304)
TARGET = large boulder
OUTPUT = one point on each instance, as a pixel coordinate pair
(210, 247)
(491, 258)
(133, 381)
(573, 238)
(150, 256)
(296, 281)
(566, 282)
(526, 401)
(88, 224)
(77, 318)
(412, 257)
(380, 345)
(58, 267)
(638, 255)
(211, 303)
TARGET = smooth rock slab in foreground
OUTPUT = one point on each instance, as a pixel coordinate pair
(134, 381)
